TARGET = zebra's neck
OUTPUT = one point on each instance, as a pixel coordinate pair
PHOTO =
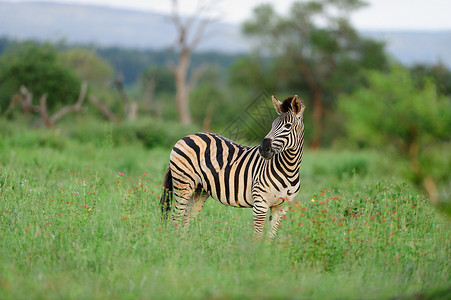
(290, 160)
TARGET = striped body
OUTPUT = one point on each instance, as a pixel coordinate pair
(207, 164)
(228, 171)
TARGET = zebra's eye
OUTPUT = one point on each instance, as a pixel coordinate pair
(287, 126)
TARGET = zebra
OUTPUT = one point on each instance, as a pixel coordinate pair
(262, 177)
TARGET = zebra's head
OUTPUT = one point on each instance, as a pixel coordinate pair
(287, 129)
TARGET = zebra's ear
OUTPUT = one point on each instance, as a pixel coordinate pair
(277, 105)
(297, 106)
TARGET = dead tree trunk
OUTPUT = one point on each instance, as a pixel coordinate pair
(103, 109)
(130, 107)
(182, 92)
(77, 107)
(317, 118)
(424, 180)
(189, 34)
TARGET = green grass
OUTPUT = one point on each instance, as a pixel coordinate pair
(81, 221)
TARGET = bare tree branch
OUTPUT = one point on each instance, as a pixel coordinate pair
(103, 109)
(130, 107)
(197, 73)
(16, 99)
(206, 125)
(27, 99)
(190, 32)
(72, 108)
(43, 111)
(176, 16)
(199, 33)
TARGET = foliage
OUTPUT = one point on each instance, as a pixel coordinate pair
(318, 53)
(131, 63)
(391, 109)
(36, 66)
(438, 73)
(88, 65)
(147, 132)
(82, 222)
(252, 72)
(415, 120)
(161, 79)
(210, 104)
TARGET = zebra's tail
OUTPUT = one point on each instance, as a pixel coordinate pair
(166, 197)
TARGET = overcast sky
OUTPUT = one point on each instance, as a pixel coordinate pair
(381, 14)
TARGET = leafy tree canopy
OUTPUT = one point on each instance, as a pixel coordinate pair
(392, 109)
(36, 67)
(88, 65)
(438, 73)
(316, 49)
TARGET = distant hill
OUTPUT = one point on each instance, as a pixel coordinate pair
(105, 27)
(411, 47)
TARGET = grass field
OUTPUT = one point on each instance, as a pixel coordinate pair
(81, 221)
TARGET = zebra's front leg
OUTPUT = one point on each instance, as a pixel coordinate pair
(259, 211)
(277, 212)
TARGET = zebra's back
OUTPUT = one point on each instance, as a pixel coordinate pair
(221, 167)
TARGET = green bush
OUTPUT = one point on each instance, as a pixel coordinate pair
(391, 109)
(151, 133)
(17, 135)
(156, 133)
(36, 67)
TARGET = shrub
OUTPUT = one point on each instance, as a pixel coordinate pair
(36, 67)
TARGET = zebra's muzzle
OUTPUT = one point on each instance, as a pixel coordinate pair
(265, 149)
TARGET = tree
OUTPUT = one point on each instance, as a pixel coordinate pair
(88, 65)
(317, 42)
(154, 82)
(438, 73)
(190, 32)
(252, 72)
(36, 67)
(392, 110)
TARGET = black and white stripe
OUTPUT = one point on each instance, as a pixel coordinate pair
(262, 177)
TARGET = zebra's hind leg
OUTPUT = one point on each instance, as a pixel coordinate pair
(277, 212)
(182, 197)
(195, 204)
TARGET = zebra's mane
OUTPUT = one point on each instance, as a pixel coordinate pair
(286, 105)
